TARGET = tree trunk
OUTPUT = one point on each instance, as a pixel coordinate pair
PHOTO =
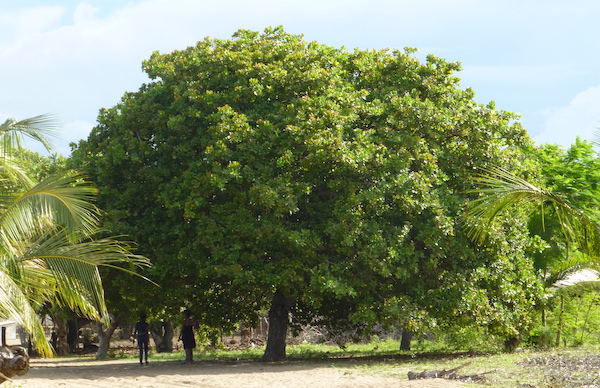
(246, 334)
(406, 339)
(544, 319)
(587, 316)
(14, 361)
(62, 345)
(104, 337)
(560, 320)
(162, 334)
(72, 334)
(278, 324)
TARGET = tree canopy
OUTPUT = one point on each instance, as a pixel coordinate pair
(268, 165)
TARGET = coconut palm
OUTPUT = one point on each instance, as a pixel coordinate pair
(48, 254)
(502, 190)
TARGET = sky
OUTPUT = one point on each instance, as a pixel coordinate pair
(537, 58)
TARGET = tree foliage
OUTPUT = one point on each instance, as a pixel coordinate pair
(267, 163)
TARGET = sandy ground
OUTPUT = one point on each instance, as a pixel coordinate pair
(128, 374)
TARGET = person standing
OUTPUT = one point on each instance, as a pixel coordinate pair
(54, 339)
(187, 336)
(142, 330)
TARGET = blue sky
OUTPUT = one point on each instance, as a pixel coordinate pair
(540, 59)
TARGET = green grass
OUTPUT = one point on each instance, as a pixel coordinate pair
(294, 352)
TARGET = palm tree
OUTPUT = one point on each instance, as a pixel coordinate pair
(502, 190)
(48, 254)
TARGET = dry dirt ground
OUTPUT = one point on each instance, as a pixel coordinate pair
(163, 374)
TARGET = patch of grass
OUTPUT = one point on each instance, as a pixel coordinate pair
(10, 384)
(543, 369)
(294, 352)
(322, 351)
(504, 367)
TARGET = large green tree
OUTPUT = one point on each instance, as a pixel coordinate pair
(48, 254)
(270, 171)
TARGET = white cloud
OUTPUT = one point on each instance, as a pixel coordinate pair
(84, 13)
(19, 23)
(581, 117)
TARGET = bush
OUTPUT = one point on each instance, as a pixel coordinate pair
(469, 338)
(543, 337)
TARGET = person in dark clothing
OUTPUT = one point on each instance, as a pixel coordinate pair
(187, 336)
(142, 330)
(54, 339)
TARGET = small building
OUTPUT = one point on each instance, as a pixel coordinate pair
(11, 330)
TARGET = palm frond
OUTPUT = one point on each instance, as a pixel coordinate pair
(70, 198)
(581, 288)
(13, 178)
(79, 287)
(502, 190)
(73, 269)
(104, 252)
(41, 128)
(64, 200)
(15, 304)
(564, 269)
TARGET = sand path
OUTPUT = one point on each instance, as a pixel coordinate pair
(128, 374)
